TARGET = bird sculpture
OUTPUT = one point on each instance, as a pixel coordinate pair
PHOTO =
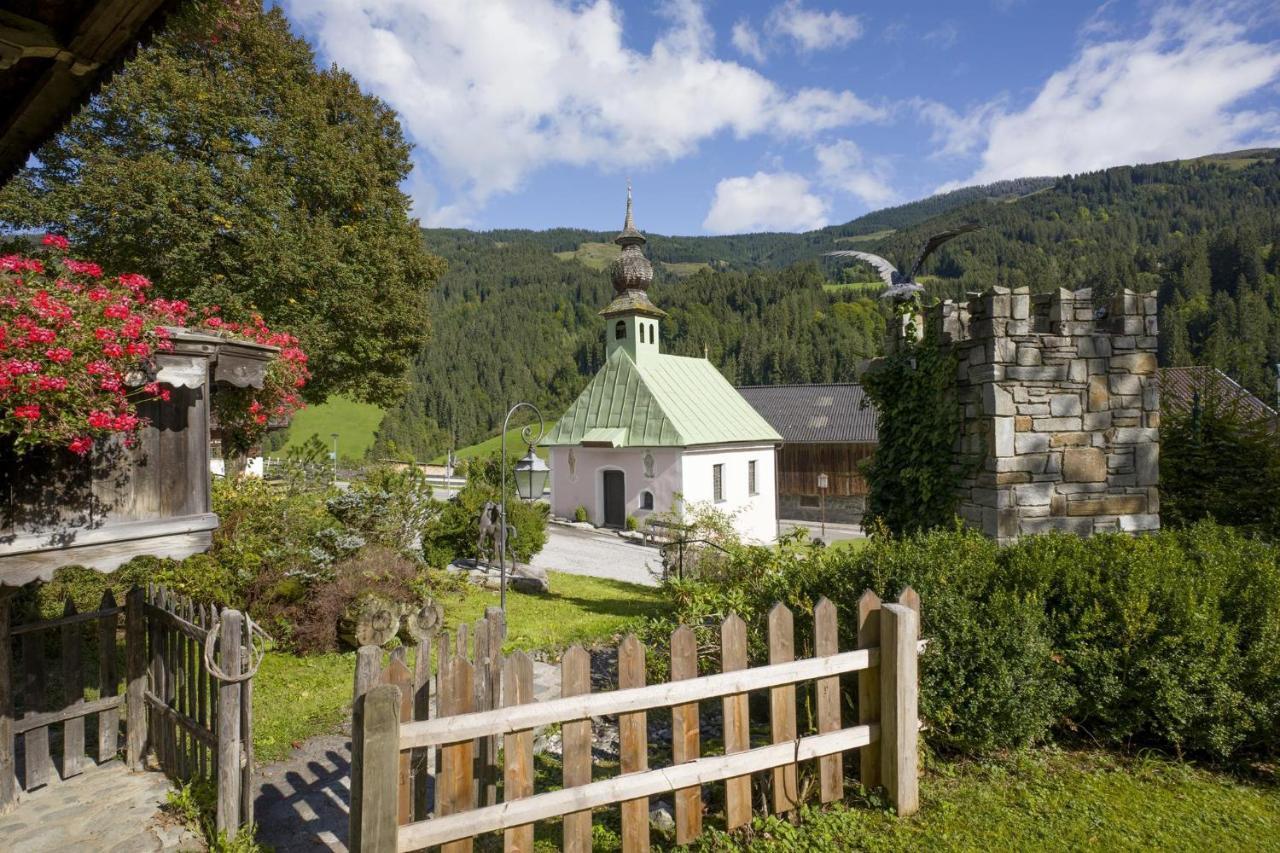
(902, 288)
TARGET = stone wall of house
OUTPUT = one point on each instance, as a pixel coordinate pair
(1061, 411)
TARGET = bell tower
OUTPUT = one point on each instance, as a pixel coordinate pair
(631, 320)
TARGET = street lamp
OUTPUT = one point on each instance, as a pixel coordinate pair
(531, 479)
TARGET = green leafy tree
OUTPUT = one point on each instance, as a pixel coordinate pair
(1217, 462)
(228, 168)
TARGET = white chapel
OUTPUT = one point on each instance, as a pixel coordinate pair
(651, 430)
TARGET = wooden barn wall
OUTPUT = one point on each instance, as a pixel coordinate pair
(800, 464)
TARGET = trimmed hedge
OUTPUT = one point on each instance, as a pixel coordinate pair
(1170, 640)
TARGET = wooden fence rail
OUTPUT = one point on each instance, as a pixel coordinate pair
(386, 732)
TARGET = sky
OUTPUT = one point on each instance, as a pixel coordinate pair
(787, 115)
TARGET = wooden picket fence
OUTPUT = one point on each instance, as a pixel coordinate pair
(193, 723)
(395, 735)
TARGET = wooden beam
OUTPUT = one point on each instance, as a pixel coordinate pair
(628, 786)
(468, 726)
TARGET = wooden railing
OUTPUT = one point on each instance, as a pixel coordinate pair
(886, 735)
(49, 690)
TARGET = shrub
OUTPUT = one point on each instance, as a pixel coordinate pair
(1170, 640)
(313, 620)
(632, 524)
(581, 515)
(387, 507)
(452, 532)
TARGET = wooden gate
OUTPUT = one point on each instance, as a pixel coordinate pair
(198, 696)
(190, 721)
(886, 735)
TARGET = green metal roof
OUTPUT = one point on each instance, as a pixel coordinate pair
(665, 401)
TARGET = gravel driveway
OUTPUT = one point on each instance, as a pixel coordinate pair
(599, 555)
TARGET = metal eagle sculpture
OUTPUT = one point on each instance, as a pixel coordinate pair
(901, 288)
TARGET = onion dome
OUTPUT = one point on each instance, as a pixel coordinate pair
(631, 270)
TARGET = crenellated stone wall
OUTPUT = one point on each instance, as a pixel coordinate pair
(1061, 411)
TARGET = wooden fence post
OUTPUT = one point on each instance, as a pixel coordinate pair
(398, 674)
(633, 739)
(108, 681)
(8, 772)
(733, 656)
(230, 632)
(72, 694)
(869, 688)
(421, 758)
(827, 690)
(368, 671)
(379, 770)
(135, 653)
(782, 707)
(575, 679)
(35, 741)
(899, 715)
(685, 744)
(457, 696)
(246, 736)
(517, 748)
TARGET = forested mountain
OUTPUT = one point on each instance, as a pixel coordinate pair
(515, 316)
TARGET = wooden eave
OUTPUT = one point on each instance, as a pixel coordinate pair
(54, 55)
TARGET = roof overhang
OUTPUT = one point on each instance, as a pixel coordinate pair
(54, 55)
(605, 437)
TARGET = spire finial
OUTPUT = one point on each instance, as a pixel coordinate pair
(630, 234)
(628, 224)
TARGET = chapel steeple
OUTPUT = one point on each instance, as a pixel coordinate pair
(632, 318)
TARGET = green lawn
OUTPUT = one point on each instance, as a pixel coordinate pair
(298, 697)
(355, 424)
(515, 446)
(1047, 800)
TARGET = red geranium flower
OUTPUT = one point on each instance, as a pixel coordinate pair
(29, 412)
(80, 445)
(57, 241)
(59, 355)
(100, 420)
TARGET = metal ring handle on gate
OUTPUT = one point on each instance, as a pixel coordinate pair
(256, 653)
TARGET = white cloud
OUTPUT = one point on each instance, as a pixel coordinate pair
(843, 166)
(496, 90)
(956, 134)
(1176, 91)
(765, 201)
(812, 30)
(747, 41)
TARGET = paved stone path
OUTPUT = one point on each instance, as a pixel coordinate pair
(304, 801)
(105, 809)
(601, 555)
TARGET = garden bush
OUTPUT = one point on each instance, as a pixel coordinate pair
(1170, 640)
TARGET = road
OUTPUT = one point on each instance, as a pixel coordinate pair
(599, 555)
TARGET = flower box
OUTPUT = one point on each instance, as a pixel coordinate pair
(118, 502)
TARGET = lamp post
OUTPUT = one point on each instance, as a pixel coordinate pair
(334, 435)
(531, 479)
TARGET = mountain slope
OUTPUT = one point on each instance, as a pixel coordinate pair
(515, 316)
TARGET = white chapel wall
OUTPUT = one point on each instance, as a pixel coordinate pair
(756, 516)
(582, 483)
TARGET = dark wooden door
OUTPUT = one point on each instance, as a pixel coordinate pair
(615, 499)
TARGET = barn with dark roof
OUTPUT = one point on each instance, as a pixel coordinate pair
(826, 429)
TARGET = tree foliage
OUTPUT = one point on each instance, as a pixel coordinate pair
(1218, 462)
(912, 476)
(229, 169)
(516, 322)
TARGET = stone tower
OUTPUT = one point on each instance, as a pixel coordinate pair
(1061, 411)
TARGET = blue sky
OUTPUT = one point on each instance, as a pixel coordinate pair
(788, 114)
